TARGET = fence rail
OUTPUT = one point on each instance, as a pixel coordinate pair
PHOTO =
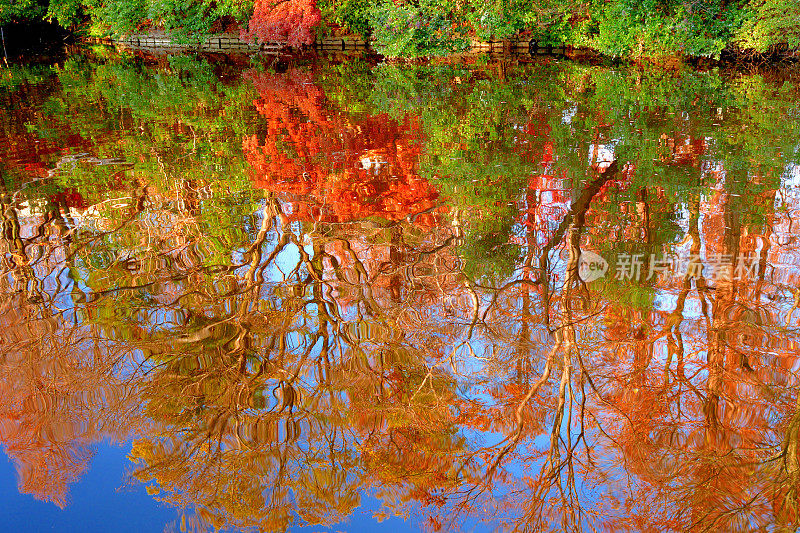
(228, 42)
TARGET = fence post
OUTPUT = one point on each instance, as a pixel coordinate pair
(3, 36)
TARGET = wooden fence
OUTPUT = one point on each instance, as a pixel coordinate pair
(223, 43)
(231, 43)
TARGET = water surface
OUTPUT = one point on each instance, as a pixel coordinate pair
(274, 293)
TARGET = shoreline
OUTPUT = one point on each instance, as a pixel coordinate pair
(159, 42)
(231, 43)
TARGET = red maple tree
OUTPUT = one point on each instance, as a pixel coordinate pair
(289, 21)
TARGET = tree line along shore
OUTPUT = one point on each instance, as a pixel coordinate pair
(629, 29)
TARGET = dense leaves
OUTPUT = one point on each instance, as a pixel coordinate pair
(771, 23)
(404, 28)
(289, 21)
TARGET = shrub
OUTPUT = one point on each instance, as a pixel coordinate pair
(770, 23)
(653, 28)
(119, 17)
(353, 15)
(290, 21)
(425, 29)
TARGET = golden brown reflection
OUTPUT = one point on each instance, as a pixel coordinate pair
(345, 326)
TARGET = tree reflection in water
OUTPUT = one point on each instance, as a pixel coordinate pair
(310, 284)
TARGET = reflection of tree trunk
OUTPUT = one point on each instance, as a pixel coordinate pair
(675, 350)
(324, 317)
(396, 260)
(18, 262)
(642, 354)
(575, 217)
(555, 467)
(189, 199)
(255, 251)
(565, 335)
(568, 336)
(525, 341)
(785, 495)
(643, 210)
(718, 407)
(723, 304)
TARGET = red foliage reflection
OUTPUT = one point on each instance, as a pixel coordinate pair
(331, 167)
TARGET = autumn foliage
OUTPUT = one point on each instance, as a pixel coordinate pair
(290, 21)
(333, 167)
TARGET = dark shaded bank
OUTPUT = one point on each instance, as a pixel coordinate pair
(33, 38)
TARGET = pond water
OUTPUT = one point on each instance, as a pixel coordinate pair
(270, 294)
